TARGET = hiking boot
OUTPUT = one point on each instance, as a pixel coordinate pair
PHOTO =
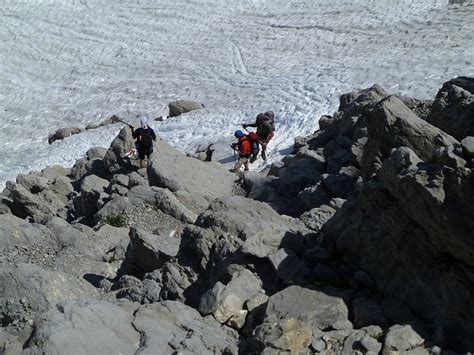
(264, 156)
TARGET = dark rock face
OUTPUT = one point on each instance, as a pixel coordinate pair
(410, 218)
(453, 108)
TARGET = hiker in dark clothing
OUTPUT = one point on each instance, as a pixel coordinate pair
(145, 136)
(243, 147)
(265, 129)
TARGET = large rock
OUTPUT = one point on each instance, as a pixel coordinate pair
(147, 252)
(225, 302)
(33, 182)
(314, 308)
(423, 243)
(453, 108)
(171, 169)
(171, 326)
(62, 133)
(262, 230)
(92, 194)
(182, 106)
(37, 206)
(117, 206)
(391, 125)
(27, 290)
(115, 160)
(402, 338)
(468, 146)
(284, 336)
(169, 204)
(86, 327)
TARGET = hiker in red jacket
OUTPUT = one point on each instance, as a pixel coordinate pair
(243, 147)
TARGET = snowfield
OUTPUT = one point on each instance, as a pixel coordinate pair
(75, 62)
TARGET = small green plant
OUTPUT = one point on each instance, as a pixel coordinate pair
(115, 219)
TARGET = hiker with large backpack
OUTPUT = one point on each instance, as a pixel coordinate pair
(145, 137)
(265, 124)
(244, 148)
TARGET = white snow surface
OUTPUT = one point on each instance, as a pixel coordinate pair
(76, 62)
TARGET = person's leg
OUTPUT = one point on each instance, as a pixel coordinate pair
(239, 164)
(141, 156)
(246, 164)
(264, 148)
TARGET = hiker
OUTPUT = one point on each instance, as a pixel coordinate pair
(265, 123)
(244, 148)
(145, 136)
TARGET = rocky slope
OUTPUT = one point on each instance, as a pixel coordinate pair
(358, 243)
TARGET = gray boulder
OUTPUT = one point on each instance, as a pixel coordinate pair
(135, 179)
(169, 204)
(182, 106)
(317, 217)
(171, 326)
(146, 291)
(468, 146)
(240, 217)
(92, 194)
(33, 182)
(54, 171)
(173, 170)
(26, 290)
(96, 152)
(176, 279)
(314, 308)
(147, 252)
(115, 160)
(391, 125)
(453, 108)
(62, 186)
(117, 206)
(282, 337)
(289, 268)
(226, 302)
(37, 206)
(64, 133)
(401, 338)
(365, 340)
(85, 327)
(17, 231)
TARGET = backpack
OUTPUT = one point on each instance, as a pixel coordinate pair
(270, 118)
(254, 143)
(146, 140)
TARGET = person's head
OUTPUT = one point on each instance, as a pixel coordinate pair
(260, 118)
(238, 134)
(144, 122)
(270, 114)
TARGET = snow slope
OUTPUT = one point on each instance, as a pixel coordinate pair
(73, 62)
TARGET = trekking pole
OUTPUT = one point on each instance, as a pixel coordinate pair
(122, 121)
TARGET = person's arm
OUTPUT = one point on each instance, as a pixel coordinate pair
(153, 135)
(245, 125)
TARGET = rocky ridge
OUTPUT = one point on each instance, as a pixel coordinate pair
(358, 243)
